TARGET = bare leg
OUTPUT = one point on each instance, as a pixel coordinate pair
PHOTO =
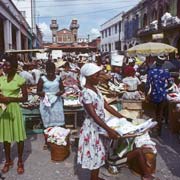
(94, 175)
(159, 115)
(7, 148)
(45, 147)
(8, 163)
(20, 150)
(20, 169)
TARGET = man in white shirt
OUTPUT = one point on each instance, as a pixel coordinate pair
(27, 75)
(36, 73)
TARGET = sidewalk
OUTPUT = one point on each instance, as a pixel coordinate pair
(38, 165)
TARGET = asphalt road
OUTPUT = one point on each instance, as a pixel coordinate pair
(38, 164)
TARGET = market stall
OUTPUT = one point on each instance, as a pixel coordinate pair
(32, 117)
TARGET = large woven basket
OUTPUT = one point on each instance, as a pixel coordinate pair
(60, 152)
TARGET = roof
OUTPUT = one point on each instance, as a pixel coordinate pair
(26, 50)
(64, 29)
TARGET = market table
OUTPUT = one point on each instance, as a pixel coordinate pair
(33, 113)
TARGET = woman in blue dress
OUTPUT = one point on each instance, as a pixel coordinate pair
(50, 89)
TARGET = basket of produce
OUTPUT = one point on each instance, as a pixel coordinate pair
(58, 140)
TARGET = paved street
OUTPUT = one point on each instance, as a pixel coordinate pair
(38, 165)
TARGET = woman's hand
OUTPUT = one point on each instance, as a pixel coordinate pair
(59, 93)
(113, 134)
(41, 94)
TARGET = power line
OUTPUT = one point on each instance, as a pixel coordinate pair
(77, 4)
(86, 13)
(74, 1)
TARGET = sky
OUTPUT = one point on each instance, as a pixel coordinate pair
(91, 14)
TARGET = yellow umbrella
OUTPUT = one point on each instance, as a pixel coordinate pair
(151, 49)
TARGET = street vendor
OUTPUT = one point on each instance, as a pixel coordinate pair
(91, 150)
(132, 83)
(158, 81)
(50, 89)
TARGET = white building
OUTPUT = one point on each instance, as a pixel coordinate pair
(112, 34)
(28, 10)
(14, 30)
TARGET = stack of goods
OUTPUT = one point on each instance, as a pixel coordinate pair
(72, 101)
(33, 99)
(111, 88)
(71, 93)
(123, 126)
(58, 139)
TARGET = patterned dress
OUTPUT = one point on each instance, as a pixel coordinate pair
(91, 152)
(11, 119)
(158, 80)
(52, 115)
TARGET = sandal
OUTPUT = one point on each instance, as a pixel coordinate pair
(20, 169)
(7, 166)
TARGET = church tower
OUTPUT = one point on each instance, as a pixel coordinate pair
(54, 27)
(74, 29)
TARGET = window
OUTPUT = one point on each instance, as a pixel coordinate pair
(106, 33)
(53, 21)
(115, 28)
(120, 26)
(145, 20)
(109, 31)
(102, 34)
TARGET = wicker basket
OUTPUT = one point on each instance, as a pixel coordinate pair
(60, 152)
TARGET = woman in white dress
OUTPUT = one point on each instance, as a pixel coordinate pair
(91, 151)
(50, 89)
(132, 83)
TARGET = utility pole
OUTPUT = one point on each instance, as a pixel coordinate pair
(32, 24)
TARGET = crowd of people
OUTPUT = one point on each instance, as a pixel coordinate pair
(54, 78)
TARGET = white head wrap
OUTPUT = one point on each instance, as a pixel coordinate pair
(88, 70)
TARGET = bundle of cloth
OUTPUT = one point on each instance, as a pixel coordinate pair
(57, 135)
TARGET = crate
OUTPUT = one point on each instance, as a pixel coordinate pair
(131, 104)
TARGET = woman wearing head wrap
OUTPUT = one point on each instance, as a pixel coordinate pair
(91, 152)
(11, 120)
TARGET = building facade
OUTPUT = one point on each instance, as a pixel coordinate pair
(111, 34)
(28, 10)
(15, 33)
(64, 36)
(149, 20)
(130, 26)
(160, 17)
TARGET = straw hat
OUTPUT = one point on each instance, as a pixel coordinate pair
(162, 58)
(59, 63)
